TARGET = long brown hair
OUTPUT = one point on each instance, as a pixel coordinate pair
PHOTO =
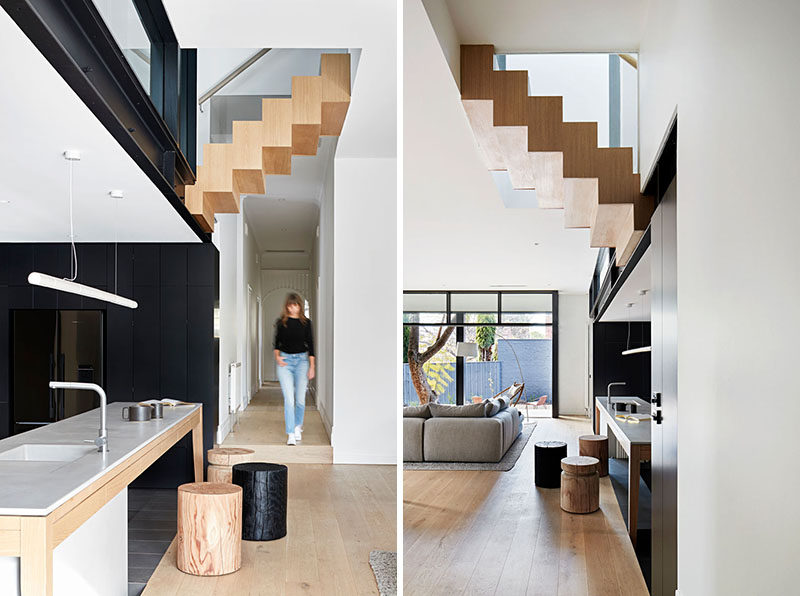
(293, 298)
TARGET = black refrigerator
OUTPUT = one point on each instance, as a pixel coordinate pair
(62, 345)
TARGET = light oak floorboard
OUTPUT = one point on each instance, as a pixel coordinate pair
(261, 428)
(337, 514)
(496, 533)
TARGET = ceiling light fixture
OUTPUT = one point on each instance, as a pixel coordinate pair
(5, 201)
(69, 284)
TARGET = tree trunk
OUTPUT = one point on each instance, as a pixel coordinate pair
(416, 360)
(420, 382)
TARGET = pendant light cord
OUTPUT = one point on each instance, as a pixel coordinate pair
(73, 269)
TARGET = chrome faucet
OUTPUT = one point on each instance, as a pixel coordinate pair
(102, 439)
(608, 393)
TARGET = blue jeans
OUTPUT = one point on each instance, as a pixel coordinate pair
(294, 380)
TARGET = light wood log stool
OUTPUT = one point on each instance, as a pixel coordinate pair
(580, 484)
(222, 459)
(595, 446)
(209, 528)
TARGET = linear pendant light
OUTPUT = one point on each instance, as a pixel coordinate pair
(64, 285)
(637, 351)
(70, 285)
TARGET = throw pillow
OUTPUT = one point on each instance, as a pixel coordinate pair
(503, 400)
(452, 411)
(423, 411)
(492, 407)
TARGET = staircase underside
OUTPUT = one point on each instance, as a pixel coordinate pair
(526, 136)
(262, 148)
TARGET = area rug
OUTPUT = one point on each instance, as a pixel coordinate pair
(504, 465)
(384, 566)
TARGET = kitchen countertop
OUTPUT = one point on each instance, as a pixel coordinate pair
(37, 488)
(636, 433)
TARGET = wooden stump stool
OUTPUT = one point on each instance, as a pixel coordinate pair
(595, 446)
(547, 456)
(209, 528)
(580, 484)
(265, 489)
(222, 459)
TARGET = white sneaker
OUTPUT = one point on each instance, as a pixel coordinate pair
(291, 440)
(298, 432)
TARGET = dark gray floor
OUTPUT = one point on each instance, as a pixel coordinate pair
(618, 472)
(152, 524)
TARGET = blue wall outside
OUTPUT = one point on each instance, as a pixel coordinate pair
(535, 358)
(488, 378)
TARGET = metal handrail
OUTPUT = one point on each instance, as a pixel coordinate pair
(232, 75)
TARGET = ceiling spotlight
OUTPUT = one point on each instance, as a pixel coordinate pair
(536, 244)
(5, 201)
(116, 194)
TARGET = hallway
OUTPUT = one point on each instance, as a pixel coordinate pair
(261, 428)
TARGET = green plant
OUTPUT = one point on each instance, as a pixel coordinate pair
(484, 336)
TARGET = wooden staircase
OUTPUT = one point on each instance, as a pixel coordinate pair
(527, 136)
(288, 126)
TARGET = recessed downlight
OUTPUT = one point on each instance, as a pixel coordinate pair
(5, 201)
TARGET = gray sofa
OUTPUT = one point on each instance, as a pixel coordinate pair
(458, 438)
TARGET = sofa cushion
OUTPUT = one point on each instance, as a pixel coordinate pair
(451, 411)
(412, 438)
(463, 439)
(422, 411)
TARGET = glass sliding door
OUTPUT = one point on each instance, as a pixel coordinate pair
(516, 339)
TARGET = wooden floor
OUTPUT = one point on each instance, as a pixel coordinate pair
(496, 533)
(337, 515)
(261, 428)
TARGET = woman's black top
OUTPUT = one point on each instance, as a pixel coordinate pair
(294, 337)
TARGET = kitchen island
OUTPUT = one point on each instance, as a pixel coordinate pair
(634, 438)
(52, 483)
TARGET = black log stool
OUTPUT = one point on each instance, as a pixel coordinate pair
(264, 492)
(547, 456)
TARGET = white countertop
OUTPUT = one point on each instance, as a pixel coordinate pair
(37, 488)
(636, 433)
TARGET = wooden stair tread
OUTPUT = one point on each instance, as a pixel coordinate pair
(595, 185)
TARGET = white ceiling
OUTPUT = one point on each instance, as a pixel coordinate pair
(457, 232)
(638, 280)
(551, 25)
(42, 118)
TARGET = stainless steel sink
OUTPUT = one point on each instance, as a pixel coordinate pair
(46, 452)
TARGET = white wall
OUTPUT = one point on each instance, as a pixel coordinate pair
(323, 282)
(366, 295)
(573, 364)
(226, 239)
(442, 23)
(731, 71)
(251, 293)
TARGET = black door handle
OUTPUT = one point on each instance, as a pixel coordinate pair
(656, 399)
(657, 417)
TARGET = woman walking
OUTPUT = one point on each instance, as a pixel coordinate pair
(294, 355)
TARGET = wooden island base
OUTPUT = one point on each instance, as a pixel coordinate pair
(33, 538)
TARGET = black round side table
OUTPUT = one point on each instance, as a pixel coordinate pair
(264, 496)
(547, 456)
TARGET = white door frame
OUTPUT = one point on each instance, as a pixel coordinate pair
(260, 332)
